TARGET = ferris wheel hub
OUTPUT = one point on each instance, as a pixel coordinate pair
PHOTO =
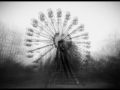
(58, 39)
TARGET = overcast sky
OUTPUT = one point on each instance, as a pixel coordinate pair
(101, 19)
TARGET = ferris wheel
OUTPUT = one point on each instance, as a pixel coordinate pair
(53, 37)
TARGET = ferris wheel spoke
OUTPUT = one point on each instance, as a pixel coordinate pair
(37, 61)
(40, 48)
(59, 20)
(46, 31)
(43, 19)
(82, 49)
(47, 25)
(79, 42)
(38, 25)
(80, 28)
(50, 24)
(30, 32)
(85, 46)
(37, 40)
(82, 35)
(43, 35)
(52, 18)
(67, 17)
(74, 22)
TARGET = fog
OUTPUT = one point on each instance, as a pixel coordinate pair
(101, 20)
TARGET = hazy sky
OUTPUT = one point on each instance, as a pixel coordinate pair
(101, 19)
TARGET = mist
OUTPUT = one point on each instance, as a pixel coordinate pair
(12, 45)
(101, 20)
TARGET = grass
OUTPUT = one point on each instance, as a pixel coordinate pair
(14, 74)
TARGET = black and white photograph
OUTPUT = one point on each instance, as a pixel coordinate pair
(59, 44)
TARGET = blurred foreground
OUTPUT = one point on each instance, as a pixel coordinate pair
(98, 74)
